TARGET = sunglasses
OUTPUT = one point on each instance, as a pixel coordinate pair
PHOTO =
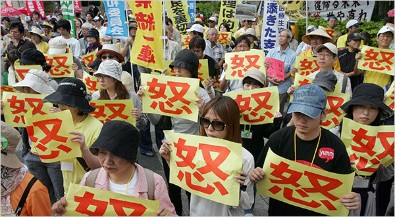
(216, 125)
(109, 56)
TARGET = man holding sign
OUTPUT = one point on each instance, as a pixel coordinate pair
(308, 144)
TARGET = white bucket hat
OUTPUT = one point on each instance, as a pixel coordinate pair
(38, 80)
(110, 68)
(57, 45)
(127, 80)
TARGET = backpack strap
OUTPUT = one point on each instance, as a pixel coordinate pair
(24, 196)
(344, 84)
(149, 175)
(83, 164)
(91, 178)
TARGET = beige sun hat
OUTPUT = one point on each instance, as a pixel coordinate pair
(10, 138)
(112, 49)
(110, 68)
(38, 80)
(37, 31)
(317, 32)
(57, 45)
(256, 75)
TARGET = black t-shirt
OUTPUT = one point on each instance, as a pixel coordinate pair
(330, 147)
(347, 60)
(213, 67)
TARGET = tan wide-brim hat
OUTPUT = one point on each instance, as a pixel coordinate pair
(112, 49)
(317, 32)
(12, 137)
(37, 31)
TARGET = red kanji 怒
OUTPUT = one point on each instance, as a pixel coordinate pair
(120, 205)
(91, 85)
(87, 201)
(143, 3)
(146, 54)
(365, 143)
(212, 165)
(307, 67)
(334, 103)
(186, 158)
(222, 39)
(145, 21)
(372, 61)
(261, 100)
(117, 110)
(61, 68)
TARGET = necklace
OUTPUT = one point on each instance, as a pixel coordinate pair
(130, 178)
(315, 152)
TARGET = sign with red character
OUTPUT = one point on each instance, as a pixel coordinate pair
(17, 104)
(389, 96)
(107, 110)
(377, 60)
(335, 113)
(171, 96)
(50, 136)
(258, 106)
(87, 201)
(61, 65)
(304, 186)
(306, 65)
(369, 147)
(91, 82)
(241, 62)
(89, 57)
(276, 69)
(205, 166)
(22, 70)
(224, 38)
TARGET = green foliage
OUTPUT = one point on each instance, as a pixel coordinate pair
(207, 8)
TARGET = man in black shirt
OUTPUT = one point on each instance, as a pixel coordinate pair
(313, 146)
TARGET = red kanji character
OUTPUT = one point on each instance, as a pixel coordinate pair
(61, 68)
(145, 21)
(334, 103)
(388, 148)
(119, 205)
(178, 95)
(237, 62)
(87, 201)
(99, 111)
(213, 165)
(144, 3)
(88, 59)
(370, 55)
(364, 147)
(91, 84)
(307, 67)
(262, 104)
(188, 157)
(51, 133)
(36, 104)
(222, 39)
(22, 73)
(252, 60)
(146, 54)
(283, 168)
(387, 58)
(117, 110)
(243, 103)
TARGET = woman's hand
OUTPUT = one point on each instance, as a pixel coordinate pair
(257, 174)
(291, 89)
(140, 92)
(351, 201)
(80, 139)
(136, 113)
(165, 150)
(54, 109)
(241, 177)
(163, 212)
(199, 102)
(59, 208)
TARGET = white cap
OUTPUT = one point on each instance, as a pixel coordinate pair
(213, 19)
(385, 29)
(28, 19)
(57, 45)
(197, 28)
(352, 23)
(331, 47)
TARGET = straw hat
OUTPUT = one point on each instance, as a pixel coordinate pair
(317, 32)
(37, 31)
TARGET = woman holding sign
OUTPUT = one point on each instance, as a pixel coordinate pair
(221, 119)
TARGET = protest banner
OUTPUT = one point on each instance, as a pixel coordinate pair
(258, 106)
(35, 5)
(227, 14)
(304, 186)
(245, 12)
(306, 65)
(6, 88)
(335, 113)
(343, 10)
(88, 201)
(171, 96)
(185, 41)
(178, 12)
(89, 57)
(91, 82)
(108, 110)
(191, 9)
(77, 6)
(369, 147)
(116, 25)
(276, 69)
(377, 60)
(224, 38)
(17, 104)
(240, 62)
(50, 136)
(22, 70)
(205, 166)
(389, 96)
(148, 45)
(67, 7)
(61, 65)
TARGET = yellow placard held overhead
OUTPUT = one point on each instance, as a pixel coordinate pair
(377, 60)
(108, 110)
(171, 96)
(304, 186)
(290, 5)
(335, 113)
(369, 147)
(61, 65)
(205, 166)
(88, 201)
(91, 82)
(50, 136)
(17, 104)
(147, 48)
(258, 106)
(389, 96)
(177, 11)
(227, 14)
(22, 70)
(240, 62)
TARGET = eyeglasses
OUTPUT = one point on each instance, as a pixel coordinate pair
(216, 125)
(99, 76)
(109, 56)
(326, 55)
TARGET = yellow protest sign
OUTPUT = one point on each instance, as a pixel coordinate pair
(335, 113)
(369, 147)
(290, 5)
(88, 201)
(91, 82)
(203, 73)
(148, 45)
(178, 12)
(205, 166)
(169, 71)
(227, 14)
(17, 104)
(171, 96)
(107, 110)
(294, 14)
(377, 60)
(21, 70)
(258, 106)
(304, 186)
(240, 62)
(5, 88)
(50, 136)
(306, 65)
(389, 96)
(224, 38)
(185, 41)
(61, 65)
(89, 57)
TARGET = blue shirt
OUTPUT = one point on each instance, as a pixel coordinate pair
(288, 57)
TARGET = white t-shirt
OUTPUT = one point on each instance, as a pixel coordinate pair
(121, 188)
(74, 45)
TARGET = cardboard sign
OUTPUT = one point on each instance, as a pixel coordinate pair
(61, 65)
(50, 136)
(205, 166)
(224, 38)
(87, 201)
(335, 113)
(306, 65)
(276, 69)
(369, 147)
(241, 62)
(178, 12)
(91, 82)
(377, 60)
(89, 57)
(171, 96)
(389, 96)
(258, 106)
(108, 110)
(22, 70)
(304, 186)
(227, 14)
